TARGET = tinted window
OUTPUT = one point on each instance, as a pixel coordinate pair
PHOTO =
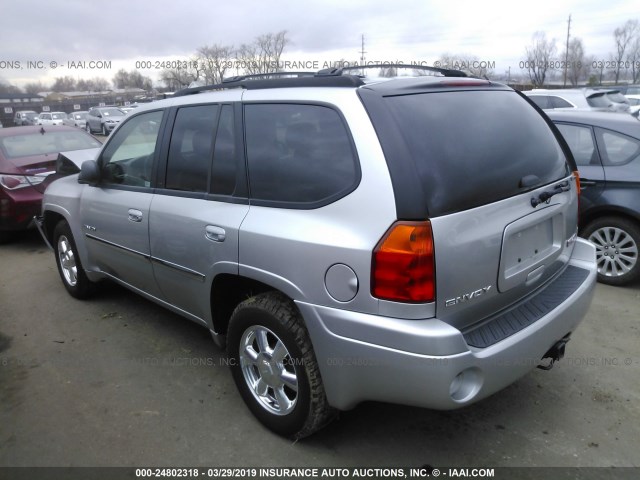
(128, 158)
(557, 102)
(223, 172)
(541, 100)
(581, 143)
(471, 148)
(191, 148)
(618, 149)
(298, 153)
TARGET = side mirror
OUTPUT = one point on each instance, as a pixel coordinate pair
(89, 173)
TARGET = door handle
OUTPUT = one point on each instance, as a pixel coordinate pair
(217, 234)
(135, 215)
(586, 183)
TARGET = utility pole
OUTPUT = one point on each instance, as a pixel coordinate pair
(566, 52)
(362, 52)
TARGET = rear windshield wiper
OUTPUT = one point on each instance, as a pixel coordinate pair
(547, 194)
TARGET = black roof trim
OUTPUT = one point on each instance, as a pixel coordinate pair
(443, 71)
(267, 76)
(306, 81)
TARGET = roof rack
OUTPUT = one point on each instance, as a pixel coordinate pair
(264, 76)
(331, 72)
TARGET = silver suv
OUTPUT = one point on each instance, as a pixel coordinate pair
(410, 240)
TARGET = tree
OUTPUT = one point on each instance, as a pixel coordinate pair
(214, 62)
(64, 84)
(35, 87)
(538, 58)
(633, 57)
(132, 79)
(624, 36)
(263, 55)
(6, 87)
(179, 78)
(576, 66)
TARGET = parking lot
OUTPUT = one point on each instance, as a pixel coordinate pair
(119, 381)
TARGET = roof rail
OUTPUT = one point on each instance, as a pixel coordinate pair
(260, 83)
(264, 76)
(340, 71)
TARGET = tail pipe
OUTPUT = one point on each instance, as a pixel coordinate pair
(555, 353)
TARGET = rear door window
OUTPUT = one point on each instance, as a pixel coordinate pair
(299, 156)
(618, 149)
(581, 142)
(471, 148)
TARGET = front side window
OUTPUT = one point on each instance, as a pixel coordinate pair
(299, 154)
(129, 156)
(581, 143)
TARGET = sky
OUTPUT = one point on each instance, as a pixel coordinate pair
(119, 33)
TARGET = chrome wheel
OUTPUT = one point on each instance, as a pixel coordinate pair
(616, 251)
(67, 261)
(268, 370)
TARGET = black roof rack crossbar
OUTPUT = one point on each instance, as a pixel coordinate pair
(263, 76)
(340, 71)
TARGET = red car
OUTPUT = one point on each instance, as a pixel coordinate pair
(27, 156)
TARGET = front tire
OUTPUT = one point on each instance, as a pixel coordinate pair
(71, 272)
(104, 130)
(274, 366)
(617, 242)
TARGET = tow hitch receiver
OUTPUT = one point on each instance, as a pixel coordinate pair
(555, 353)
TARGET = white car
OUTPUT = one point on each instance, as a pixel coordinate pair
(51, 118)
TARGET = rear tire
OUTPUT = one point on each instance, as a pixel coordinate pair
(617, 243)
(71, 272)
(88, 127)
(274, 366)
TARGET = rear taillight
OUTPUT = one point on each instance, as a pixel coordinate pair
(576, 175)
(403, 267)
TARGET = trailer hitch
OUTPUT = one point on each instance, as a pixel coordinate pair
(555, 353)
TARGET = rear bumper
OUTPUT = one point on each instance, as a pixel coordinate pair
(428, 363)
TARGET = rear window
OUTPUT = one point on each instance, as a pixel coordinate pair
(49, 142)
(599, 100)
(472, 148)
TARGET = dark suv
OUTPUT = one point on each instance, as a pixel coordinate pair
(606, 148)
(408, 240)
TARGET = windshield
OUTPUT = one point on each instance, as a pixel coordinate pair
(58, 116)
(112, 112)
(50, 142)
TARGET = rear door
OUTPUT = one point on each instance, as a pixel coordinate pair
(197, 212)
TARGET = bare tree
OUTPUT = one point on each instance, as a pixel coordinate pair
(132, 79)
(633, 57)
(178, 78)
(64, 84)
(35, 87)
(624, 36)
(538, 58)
(263, 55)
(6, 87)
(576, 66)
(215, 60)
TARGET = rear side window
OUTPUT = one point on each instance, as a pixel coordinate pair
(618, 149)
(541, 100)
(298, 154)
(471, 148)
(581, 143)
(557, 102)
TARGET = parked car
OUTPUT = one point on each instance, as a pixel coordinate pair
(77, 119)
(24, 117)
(607, 151)
(51, 118)
(581, 98)
(409, 241)
(103, 119)
(27, 156)
(634, 102)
